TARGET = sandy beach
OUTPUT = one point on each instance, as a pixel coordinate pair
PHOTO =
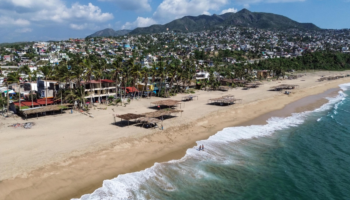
(67, 155)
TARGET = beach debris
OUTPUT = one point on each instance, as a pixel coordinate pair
(27, 125)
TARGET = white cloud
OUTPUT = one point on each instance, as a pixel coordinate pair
(34, 11)
(229, 10)
(206, 13)
(4, 20)
(173, 9)
(88, 26)
(78, 26)
(77, 12)
(24, 30)
(136, 5)
(139, 22)
(247, 3)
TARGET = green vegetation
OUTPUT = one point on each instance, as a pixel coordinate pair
(243, 18)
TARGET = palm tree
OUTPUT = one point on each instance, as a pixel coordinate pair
(135, 72)
(118, 67)
(144, 73)
(77, 73)
(26, 70)
(47, 71)
(161, 74)
(126, 72)
(98, 76)
(88, 65)
(75, 95)
(3, 102)
(14, 77)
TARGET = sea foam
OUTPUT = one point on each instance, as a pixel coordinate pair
(132, 185)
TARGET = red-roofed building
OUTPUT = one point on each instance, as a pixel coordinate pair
(131, 90)
(7, 58)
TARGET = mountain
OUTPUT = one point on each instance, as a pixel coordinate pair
(108, 32)
(243, 18)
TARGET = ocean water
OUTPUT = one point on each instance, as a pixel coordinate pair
(304, 156)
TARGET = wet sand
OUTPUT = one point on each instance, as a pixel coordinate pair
(82, 174)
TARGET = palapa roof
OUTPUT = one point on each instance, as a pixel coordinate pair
(189, 96)
(167, 102)
(162, 112)
(284, 86)
(225, 99)
(44, 109)
(130, 116)
(228, 96)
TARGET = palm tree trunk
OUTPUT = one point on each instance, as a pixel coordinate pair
(146, 83)
(116, 86)
(19, 98)
(135, 79)
(31, 95)
(30, 81)
(46, 91)
(125, 82)
(8, 99)
(100, 91)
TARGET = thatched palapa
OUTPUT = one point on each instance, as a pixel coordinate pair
(50, 108)
(161, 113)
(284, 87)
(228, 99)
(189, 97)
(169, 103)
(129, 116)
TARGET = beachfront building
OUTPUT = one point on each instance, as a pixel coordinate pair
(28, 87)
(97, 91)
(47, 88)
(263, 74)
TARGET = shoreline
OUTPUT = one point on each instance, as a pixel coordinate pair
(85, 173)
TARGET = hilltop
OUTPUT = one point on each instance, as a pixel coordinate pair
(108, 32)
(243, 18)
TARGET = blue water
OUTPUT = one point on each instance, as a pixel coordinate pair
(304, 156)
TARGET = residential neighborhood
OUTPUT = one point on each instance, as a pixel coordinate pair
(242, 54)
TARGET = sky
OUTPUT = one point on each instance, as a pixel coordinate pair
(43, 20)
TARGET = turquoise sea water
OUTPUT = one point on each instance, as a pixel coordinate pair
(304, 156)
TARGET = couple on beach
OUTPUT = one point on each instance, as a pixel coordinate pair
(201, 147)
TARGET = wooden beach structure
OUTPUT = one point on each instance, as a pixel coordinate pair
(150, 117)
(169, 103)
(284, 87)
(227, 99)
(330, 78)
(291, 77)
(161, 113)
(224, 88)
(149, 121)
(189, 97)
(252, 85)
(49, 108)
(129, 116)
